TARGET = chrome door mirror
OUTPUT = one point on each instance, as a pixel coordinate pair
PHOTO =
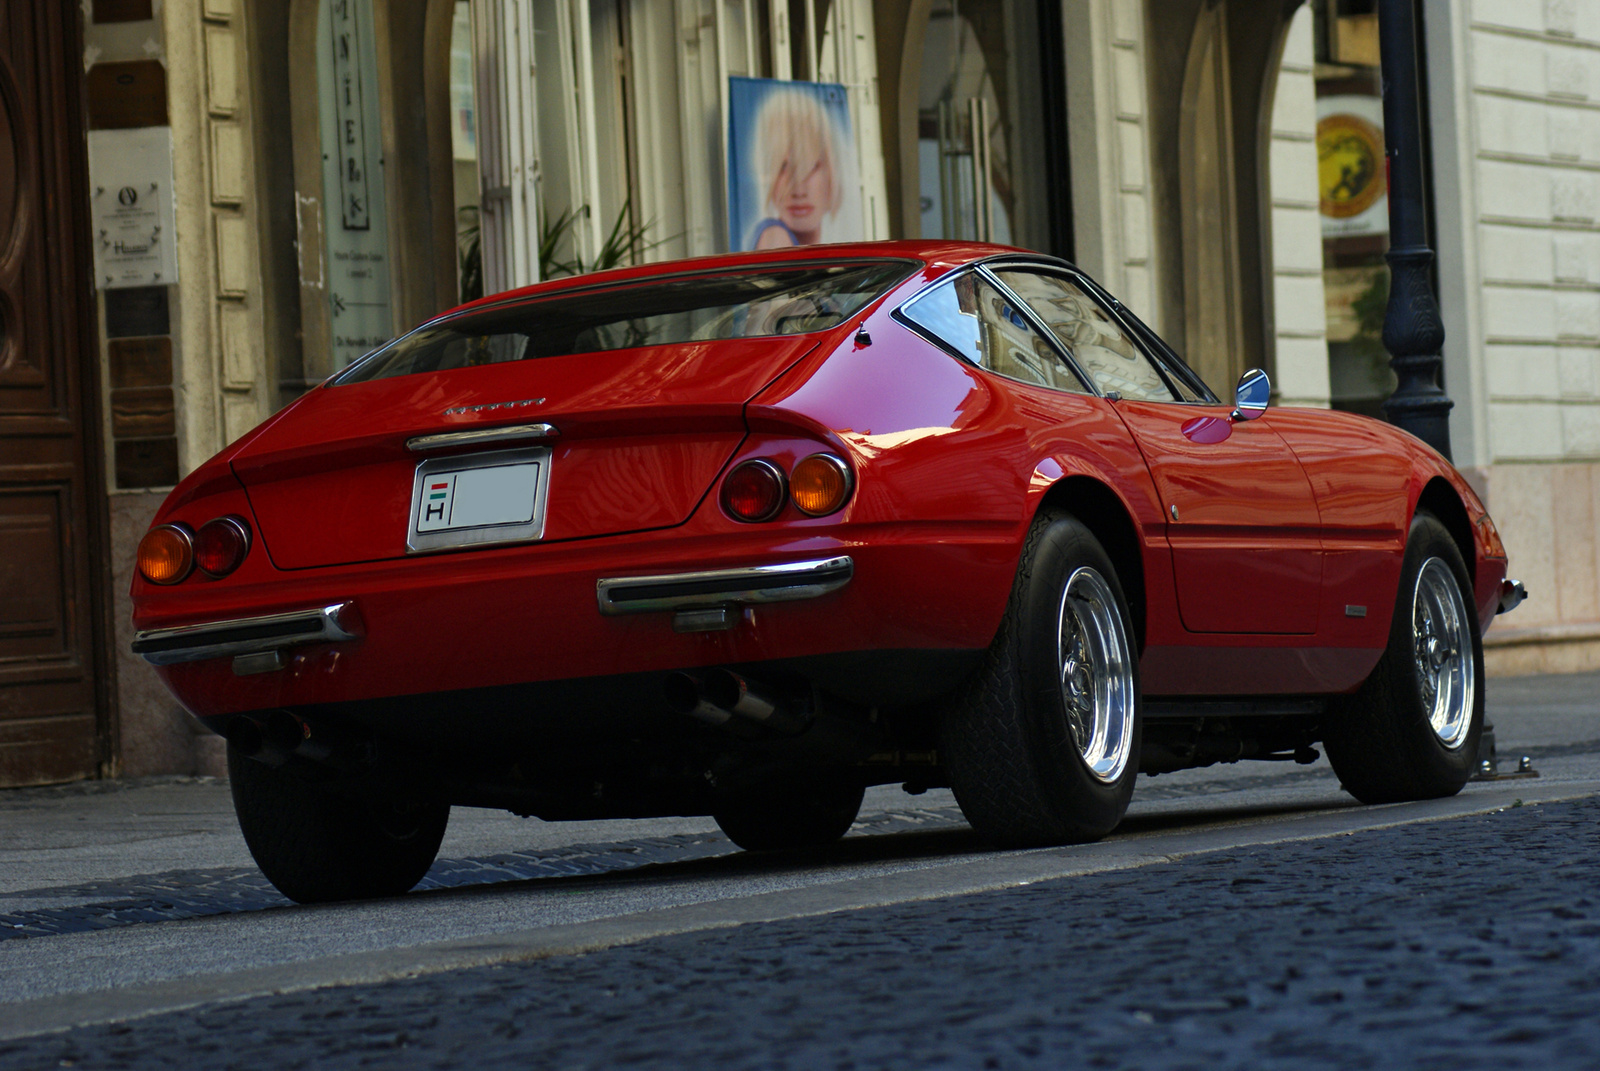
(1250, 399)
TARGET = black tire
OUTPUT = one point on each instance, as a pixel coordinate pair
(1007, 741)
(801, 816)
(1380, 740)
(315, 845)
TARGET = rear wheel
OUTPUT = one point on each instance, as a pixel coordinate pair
(804, 816)
(315, 845)
(1412, 731)
(1043, 745)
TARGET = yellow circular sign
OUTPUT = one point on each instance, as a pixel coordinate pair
(1350, 172)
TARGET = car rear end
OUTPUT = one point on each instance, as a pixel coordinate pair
(506, 530)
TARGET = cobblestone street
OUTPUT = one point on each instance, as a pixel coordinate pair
(1469, 942)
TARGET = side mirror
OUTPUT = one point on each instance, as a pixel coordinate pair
(1250, 399)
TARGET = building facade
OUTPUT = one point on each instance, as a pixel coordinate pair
(207, 206)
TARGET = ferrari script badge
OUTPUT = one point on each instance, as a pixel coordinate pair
(459, 409)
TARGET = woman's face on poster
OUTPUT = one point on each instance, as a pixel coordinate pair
(801, 199)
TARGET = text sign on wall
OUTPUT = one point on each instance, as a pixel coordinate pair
(356, 234)
(131, 207)
(350, 117)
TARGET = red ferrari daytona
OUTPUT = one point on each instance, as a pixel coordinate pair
(743, 536)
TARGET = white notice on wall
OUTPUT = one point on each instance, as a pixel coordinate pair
(131, 207)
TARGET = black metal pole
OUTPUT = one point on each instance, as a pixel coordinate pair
(1412, 331)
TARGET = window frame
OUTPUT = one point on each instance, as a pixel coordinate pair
(1163, 358)
(904, 318)
(1167, 363)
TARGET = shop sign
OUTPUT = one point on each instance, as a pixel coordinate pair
(1351, 176)
(356, 235)
(131, 207)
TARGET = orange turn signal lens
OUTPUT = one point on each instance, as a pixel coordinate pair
(820, 484)
(166, 554)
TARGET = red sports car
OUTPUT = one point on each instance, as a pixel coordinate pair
(744, 535)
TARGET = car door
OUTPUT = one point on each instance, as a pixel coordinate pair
(1242, 518)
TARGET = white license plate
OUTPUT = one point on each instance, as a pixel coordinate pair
(473, 499)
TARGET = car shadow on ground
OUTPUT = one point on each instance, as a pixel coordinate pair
(897, 850)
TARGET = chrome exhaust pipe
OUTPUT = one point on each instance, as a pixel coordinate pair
(683, 697)
(251, 739)
(299, 736)
(277, 737)
(728, 691)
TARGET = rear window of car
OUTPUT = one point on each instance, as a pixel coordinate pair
(753, 303)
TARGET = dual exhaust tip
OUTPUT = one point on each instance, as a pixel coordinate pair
(720, 696)
(276, 736)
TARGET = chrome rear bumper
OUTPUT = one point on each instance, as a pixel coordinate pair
(247, 635)
(786, 582)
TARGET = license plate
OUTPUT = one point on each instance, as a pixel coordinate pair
(476, 499)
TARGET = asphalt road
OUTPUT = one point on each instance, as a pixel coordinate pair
(1239, 912)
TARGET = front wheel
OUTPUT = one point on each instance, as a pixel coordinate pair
(1043, 745)
(315, 845)
(1411, 732)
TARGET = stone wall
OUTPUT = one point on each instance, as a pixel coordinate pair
(1300, 343)
(1534, 101)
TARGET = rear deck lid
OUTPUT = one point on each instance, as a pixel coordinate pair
(640, 391)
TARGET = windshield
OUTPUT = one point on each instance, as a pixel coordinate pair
(754, 303)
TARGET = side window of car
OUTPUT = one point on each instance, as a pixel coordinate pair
(979, 322)
(1089, 334)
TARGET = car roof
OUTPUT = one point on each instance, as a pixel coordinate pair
(937, 255)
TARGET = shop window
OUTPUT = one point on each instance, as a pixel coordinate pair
(1353, 203)
(980, 124)
(464, 155)
(354, 194)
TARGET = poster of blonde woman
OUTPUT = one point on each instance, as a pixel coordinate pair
(792, 173)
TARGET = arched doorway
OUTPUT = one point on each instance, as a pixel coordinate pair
(1213, 320)
(978, 85)
(369, 119)
(1211, 71)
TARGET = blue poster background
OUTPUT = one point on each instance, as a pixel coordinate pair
(748, 202)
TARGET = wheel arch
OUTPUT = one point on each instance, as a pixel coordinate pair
(1103, 513)
(1441, 500)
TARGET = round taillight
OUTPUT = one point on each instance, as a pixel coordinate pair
(819, 484)
(166, 554)
(754, 491)
(220, 545)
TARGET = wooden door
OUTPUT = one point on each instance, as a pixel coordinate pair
(55, 721)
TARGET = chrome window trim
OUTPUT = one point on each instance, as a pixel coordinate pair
(333, 623)
(1036, 321)
(756, 584)
(1120, 313)
(904, 318)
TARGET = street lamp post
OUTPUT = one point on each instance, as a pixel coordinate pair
(1412, 331)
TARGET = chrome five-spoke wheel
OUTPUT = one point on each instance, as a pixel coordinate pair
(1411, 731)
(1442, 652)
(1096, 672)
(1042, 745)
